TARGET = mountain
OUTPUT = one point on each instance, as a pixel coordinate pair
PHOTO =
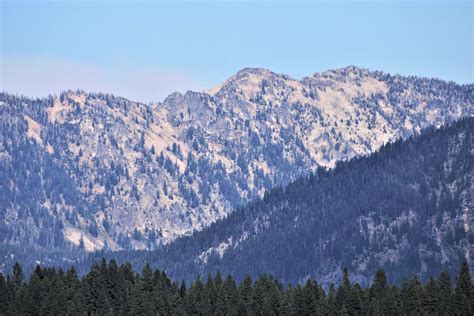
(406, 208)
(87, 171)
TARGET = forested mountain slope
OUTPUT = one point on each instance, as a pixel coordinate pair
(407, 208)
(86, 171)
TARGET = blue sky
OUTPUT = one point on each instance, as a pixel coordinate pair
(146, 50)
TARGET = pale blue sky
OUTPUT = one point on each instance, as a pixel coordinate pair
(146, 50)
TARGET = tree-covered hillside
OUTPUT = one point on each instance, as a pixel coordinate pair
(407, 208)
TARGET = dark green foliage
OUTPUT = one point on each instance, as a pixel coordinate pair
(109, 289)
(400, 208)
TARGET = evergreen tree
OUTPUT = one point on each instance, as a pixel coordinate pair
(430, 300)
(117, 287)
(111, 290)
(96, 298)
(55, 300)
(17, 278)
(75, 305)
(231, 296)
(175, 302)
(219, 305)
(299, 303)
(198, 302)
(379, 292)
(36, 291)
(4, 295)
(309, 298)
(272, 296)
(463, 280)
(444, 292)
(462, 294)
(182, 289)
(459, 304)
(393, 304)
(246, 291)
(257, 302)
(413, 296)
(211, 292)
(286, 305)
(331, 300)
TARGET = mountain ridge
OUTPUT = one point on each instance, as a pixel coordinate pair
(146, 174)
(406, 208)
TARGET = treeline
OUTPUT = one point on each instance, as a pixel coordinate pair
(110, 289)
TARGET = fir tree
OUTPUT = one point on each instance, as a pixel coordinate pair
(246, 291)
(286, 305)
(231, 296)
(463, 280)
(430, 300)
(17, 276)
(444, 292)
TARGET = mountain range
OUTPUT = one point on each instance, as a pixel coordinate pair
(91, 171)
(406, 208)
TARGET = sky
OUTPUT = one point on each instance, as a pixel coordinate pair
(145, 50)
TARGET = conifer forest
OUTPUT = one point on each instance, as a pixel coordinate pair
(112, 289)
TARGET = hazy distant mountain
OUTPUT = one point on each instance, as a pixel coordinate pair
(407, 208)
(88, 170)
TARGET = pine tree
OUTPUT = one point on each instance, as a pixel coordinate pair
(412, 296)
(299, 303)
(246, 291)
(272, 296)
(393, 304)
(182, 289)
(286, 305)
(231, 296)
(18, 278)
(309, 298)
(353, 303)
(127, 285)
(134, 301)
(346, 283)
(219, 305)
(175, 302)
(430, 300)
(211, 292)
(462, 293)
(323, 304)
(379, 292)
(379, 288)
(35, 292)
(161, 300)
(463, 280)
(147, 278)
(197, 301)
(55, 301)
(257, 298)
(19, 297)
(331, 300)
(117, 287)
(444, 292)
(4, 297)
(459, 304)
(96, 298)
